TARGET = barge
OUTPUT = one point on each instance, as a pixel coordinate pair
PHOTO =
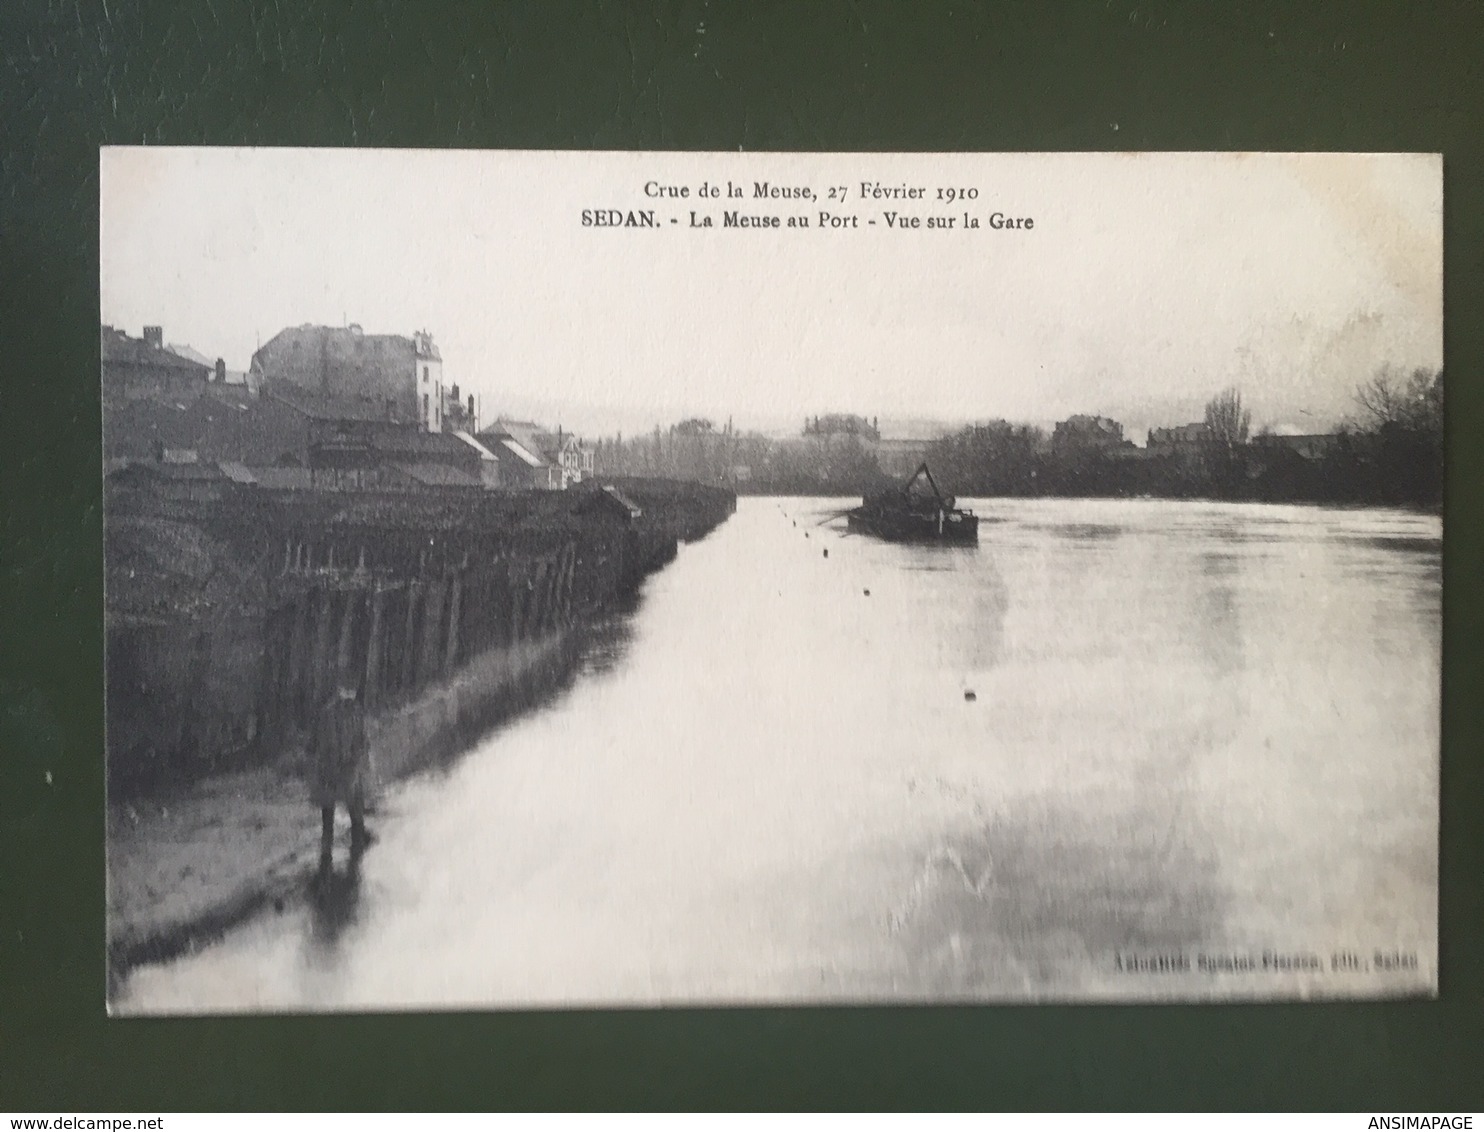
(916, 511)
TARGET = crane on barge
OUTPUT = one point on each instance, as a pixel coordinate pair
(908, 513)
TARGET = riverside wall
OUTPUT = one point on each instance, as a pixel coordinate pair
(231, 619)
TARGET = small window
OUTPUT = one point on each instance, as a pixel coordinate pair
(425, 374)
(425, 404)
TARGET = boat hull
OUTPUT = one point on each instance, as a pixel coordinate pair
(954, 529)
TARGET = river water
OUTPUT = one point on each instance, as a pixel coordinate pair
(1123, 749)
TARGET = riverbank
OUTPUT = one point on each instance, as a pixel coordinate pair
(231, 618)
(185, 868)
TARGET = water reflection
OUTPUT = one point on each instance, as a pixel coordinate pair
(1044, 895)
(334, 904)
(1424, 546)
(1086, 532)
(1217, 627)
(607, 643)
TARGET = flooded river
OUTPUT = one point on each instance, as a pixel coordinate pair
(1121, 749)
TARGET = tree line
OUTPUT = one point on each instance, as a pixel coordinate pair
(1391, 452)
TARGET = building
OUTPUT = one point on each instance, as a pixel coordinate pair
(458, 414)
(833, 425)
(838, 448)
(903, 445)
(1178, 439)
(1084, 432)
(220, 374)
(329, 443)
(532, 457)
(609, 502)
(187, 480)
(144, 428)
(401, 374)
(343, 442)
(348, 454)
(324, 432)
(571, 454)
(489, 463)
(143, 369)
(519, 466)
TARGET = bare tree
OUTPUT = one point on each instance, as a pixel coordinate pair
(1227, 422)
(1380, 399)
(1412, 402)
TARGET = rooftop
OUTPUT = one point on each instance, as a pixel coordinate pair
(118, 348)
(528, 442)
(484, 453)
(438, 475)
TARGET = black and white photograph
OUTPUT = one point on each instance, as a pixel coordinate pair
(558, 580)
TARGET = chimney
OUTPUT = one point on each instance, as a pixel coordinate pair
(221, 371)
(154, 336)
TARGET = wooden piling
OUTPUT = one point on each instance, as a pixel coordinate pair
(296, 672)
(349, 611)
(372, 677)
(409, 637)
(430, 660)
(319, 661)
(455, 594)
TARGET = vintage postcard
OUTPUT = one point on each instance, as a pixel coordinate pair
(642, 579)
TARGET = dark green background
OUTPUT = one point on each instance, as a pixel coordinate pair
(845, 75)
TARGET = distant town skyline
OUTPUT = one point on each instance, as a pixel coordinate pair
(1150, 282)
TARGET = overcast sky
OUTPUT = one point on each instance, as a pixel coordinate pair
(1148, 283)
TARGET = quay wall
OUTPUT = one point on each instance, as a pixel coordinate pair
(230, 620)
(490, 687)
